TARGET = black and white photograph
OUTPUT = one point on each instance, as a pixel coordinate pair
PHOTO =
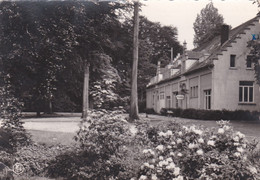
(129, 89)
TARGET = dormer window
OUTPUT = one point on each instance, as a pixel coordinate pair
(232, 60)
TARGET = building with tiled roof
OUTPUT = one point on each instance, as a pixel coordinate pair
(215, 75)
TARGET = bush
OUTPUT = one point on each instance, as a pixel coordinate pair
(196, 153)
(142, 106)
(150, 111)
(211, 114)
(10, 114)
(103, 139)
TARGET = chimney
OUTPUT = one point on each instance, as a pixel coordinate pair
(158, 68)
(184, 47)
(171, 54)
(183, 59)
(224, 34)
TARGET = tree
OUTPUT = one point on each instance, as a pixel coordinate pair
(45, 40)
(133, 114)
(254, 54)
(207, 25)
(10, 115)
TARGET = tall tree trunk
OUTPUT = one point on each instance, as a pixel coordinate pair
(85, 92)
(50, 107)
(134, 96)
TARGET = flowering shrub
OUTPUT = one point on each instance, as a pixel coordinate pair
(195, 153)
(102, 139)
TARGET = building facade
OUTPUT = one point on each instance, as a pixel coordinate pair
(217, 75)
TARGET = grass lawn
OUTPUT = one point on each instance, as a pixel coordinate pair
(52, 138)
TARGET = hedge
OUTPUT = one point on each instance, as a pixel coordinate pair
(211, 114)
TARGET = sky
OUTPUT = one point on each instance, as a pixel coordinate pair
(182, 13)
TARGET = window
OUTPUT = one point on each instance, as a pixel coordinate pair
(194, 92)
(161, 95)
(246, 91)
(168, 101)
(232, 60)
(249, 62)
(207, 94)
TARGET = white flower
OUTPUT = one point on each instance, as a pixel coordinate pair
(211, 143)
(236, 144)
(151, 166)
(143, 177)
(236, 138)
(192, 145)
(197, 131)
(179, 154)
(178, 178)
(172, 154)
(179, 141)
(161, 134)
(245, 158)
(240, 149)
(240, 135)
(169, 133)
(176, 171)
(169, 159)
(180, 133)
(162, 163)
(185, 128)
(199, 152)
(169, 147)
(237, 154)
(159, 147)
(145, 151)
(173, 143)
(200, 140)
(252, 169)
(244, 145)
(221, 131)
(226, 127)
(170, 166)
(146, 164)
(154, 177)
(160, 157)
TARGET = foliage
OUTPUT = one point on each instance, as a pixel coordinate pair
(150, 111)
(13, 134)
(103, 139)
(194, 153)
(35, 158)
(111, 148)
(48, 43)
(254, 56)
(103, 91)
(207, 25)
(211, 114)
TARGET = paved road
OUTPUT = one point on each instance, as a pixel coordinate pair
(56, 124)
(70, 124)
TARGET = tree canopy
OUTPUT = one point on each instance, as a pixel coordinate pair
(44, 46)
(207, 25)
